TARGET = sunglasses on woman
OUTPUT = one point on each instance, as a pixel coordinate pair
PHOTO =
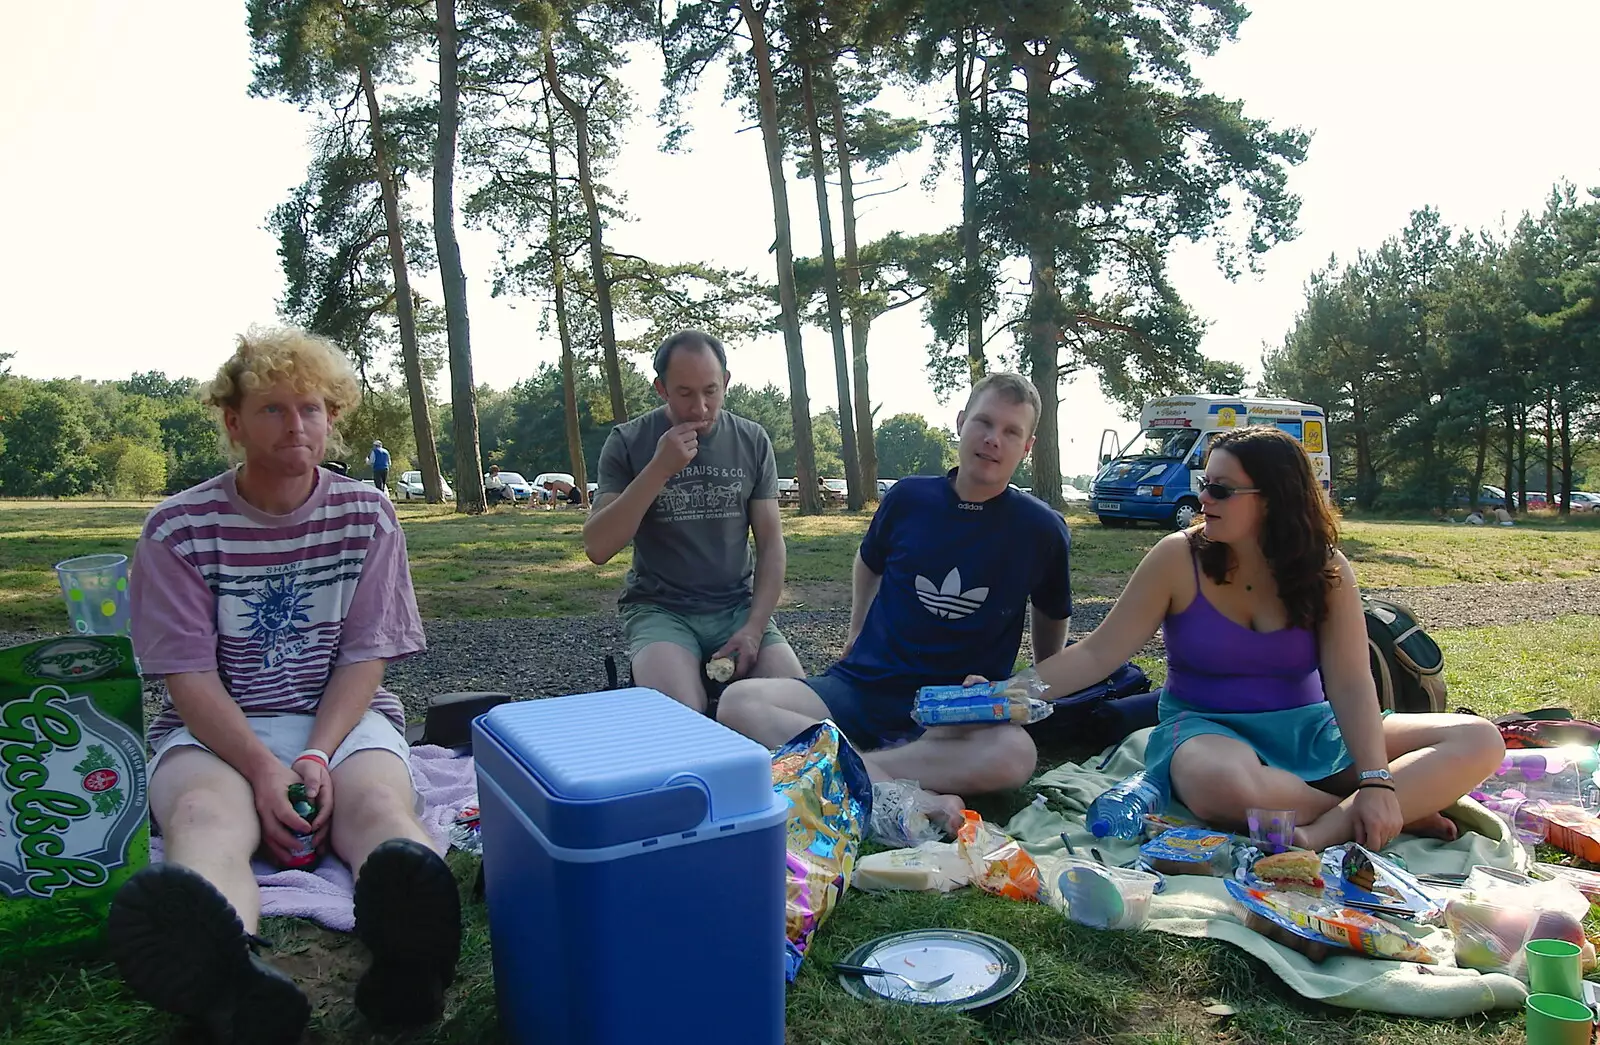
(1219, 492)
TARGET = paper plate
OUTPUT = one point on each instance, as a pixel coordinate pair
(985, 969)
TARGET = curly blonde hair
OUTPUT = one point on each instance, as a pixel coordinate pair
(267, 355)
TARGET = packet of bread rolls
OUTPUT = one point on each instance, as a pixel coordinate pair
(1015, 700)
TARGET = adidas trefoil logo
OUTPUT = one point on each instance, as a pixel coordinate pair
(948, 600)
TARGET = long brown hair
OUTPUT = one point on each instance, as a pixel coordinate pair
(1298, 531)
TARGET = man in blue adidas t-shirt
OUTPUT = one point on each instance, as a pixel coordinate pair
(941, 583)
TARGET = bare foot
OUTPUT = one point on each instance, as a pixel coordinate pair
(944, 811)
(1435, 826)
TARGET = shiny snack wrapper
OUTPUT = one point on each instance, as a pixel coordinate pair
(830, 806)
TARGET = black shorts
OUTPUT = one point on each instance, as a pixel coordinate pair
(871, 717)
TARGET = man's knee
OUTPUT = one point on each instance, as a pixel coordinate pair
(670, 669)
(745, 704)
(219, 816)
(1010, 759)
(778, 660)
(374, 802)
(741, 704)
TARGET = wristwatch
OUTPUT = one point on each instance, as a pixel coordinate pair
(1374, 774)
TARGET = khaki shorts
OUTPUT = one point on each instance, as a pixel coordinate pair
(286, 735)
(700, 633)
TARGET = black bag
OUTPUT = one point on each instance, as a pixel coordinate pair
(1406, 663)
(1103, 713)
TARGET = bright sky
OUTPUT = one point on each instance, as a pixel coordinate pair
(138, 175)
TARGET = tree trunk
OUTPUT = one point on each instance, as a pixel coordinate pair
(1566, 451)
(830, 287)
(404, 305)
(971, 248)
(1522, 458)
(558, 281)
(463, 391)
(1480, 464)
(860, 320)
(597, 249)
(805, 451)
(1044, 300)
(1511, 459)
(1366, 473)
(1549, 447)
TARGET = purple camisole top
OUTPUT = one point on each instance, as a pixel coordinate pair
(1218, 664)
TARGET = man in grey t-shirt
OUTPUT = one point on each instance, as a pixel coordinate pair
(687, 484)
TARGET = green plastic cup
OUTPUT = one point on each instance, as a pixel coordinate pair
(1554, 1020)
(1555, 967)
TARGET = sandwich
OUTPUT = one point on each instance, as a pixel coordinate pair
(1295, 870)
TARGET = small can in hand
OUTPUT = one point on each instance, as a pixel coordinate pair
(304, 854)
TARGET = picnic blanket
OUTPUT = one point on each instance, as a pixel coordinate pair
(1197, 906)
(445, 781)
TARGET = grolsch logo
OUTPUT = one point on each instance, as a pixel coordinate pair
(72, 790)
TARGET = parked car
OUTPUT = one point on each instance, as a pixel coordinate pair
(1583, 501)
(1072, 493)
(1537, 499)
(788, 491)
(521, 489)
(884, 484)
(1488, 496)
(543, 477)
(834, 491)
(410, 487)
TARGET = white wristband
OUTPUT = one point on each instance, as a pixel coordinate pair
(319, 755)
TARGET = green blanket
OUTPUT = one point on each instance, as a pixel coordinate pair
(1197, 906)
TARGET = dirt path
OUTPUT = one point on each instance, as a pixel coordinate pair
(546, 656)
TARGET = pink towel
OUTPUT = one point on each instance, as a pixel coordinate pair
(446, 782)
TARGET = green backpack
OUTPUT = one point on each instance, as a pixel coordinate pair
(1406, 663)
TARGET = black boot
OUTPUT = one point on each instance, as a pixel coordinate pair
(180, 947)
(408, 913)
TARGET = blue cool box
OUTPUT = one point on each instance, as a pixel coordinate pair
(633, 857)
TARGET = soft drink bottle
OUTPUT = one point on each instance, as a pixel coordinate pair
(304, 853)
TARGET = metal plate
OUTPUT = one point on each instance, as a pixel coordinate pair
(986, 969)
(1109, 506)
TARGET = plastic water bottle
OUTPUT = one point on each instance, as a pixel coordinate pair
(1120, 811)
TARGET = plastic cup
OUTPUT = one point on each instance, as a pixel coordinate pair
(1555, 1020)
(1527, 823)
(1272, 830)
(1555, 967)
(95, 588)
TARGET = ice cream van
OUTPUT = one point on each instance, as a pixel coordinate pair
(1156, 477)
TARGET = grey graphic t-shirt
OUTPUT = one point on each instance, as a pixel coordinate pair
(692, 551)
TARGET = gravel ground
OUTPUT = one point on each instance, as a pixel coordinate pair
(549, 656)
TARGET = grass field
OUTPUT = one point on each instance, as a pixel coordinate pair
(529, 563)
(1083, 985)
(1128, 989)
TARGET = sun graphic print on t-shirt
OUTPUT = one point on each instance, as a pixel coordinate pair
(273, 613)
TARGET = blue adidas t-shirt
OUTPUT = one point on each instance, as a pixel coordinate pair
(956, 577)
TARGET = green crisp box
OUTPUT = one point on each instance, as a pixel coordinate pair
(73, 823)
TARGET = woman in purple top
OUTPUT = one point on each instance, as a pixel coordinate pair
(1269, 700)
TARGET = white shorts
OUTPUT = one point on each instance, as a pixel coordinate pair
(286, 736)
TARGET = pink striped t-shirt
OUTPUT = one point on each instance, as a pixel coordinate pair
(272, 603)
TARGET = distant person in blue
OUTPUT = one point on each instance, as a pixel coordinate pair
(941, 582)
(378, 461)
